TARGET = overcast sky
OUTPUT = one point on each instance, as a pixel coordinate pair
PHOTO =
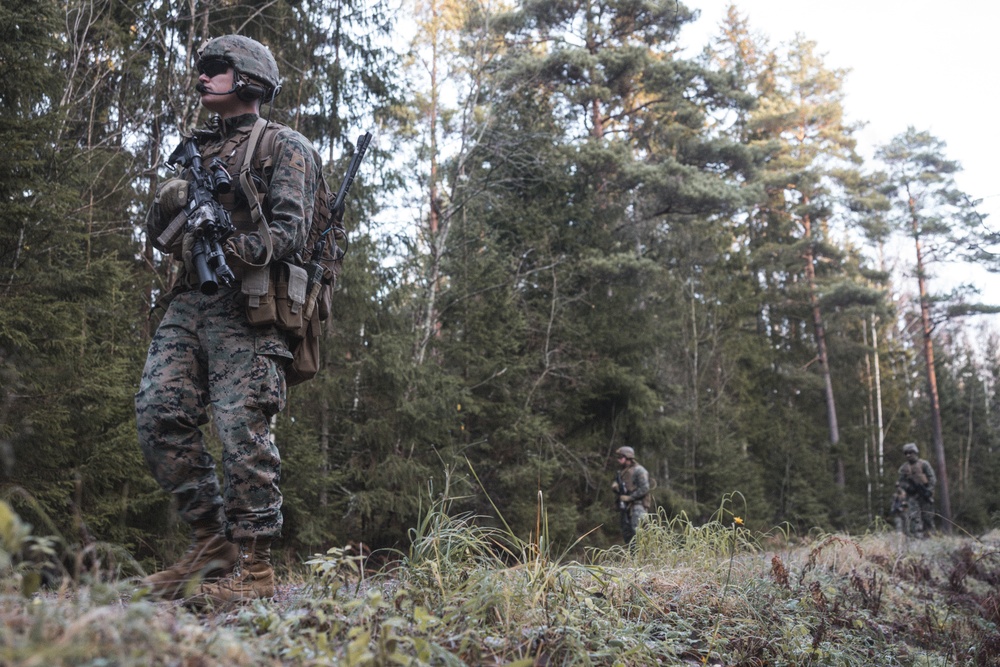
(932, 65)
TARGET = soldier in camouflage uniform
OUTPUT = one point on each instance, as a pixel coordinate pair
(917, 479)
(632, 488)
(206, 359)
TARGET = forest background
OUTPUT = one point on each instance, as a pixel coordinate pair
(568, 237)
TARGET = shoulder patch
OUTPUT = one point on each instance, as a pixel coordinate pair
(298, 162)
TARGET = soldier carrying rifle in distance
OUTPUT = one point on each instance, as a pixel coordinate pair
(917, 479)
(631, 487)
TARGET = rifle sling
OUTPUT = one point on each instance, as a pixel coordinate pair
(253, 196)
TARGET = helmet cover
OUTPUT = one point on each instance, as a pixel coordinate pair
(247, 56)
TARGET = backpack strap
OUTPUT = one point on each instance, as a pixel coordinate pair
(253, 196)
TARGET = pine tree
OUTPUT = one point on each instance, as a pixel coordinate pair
(807, 281)
(594, 152)
(69, 275)
(936, 216)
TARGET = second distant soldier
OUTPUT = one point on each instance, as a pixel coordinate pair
(632, 488)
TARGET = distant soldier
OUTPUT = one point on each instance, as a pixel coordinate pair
(632, 488)
(917, 479)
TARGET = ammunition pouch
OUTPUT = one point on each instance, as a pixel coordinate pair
(259, 290)
(276, 294)
(290, 298)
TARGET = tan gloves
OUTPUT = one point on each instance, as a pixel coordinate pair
(187, 253)
(172, 196)
(621, 498)
(236, 250)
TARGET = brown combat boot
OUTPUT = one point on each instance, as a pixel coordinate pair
(252, 578)
(210, 557)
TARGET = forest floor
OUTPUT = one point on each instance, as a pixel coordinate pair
(708, 595)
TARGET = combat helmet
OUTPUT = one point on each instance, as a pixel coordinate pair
(249, 58)
(626, 451)
(910, 447)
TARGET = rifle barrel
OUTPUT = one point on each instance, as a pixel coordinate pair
(352, 169)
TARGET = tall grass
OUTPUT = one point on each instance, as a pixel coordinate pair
(467, 592)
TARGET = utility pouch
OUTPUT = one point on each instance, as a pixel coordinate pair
(290, 298)
(259, 290)
(306, 361)
(325, 300)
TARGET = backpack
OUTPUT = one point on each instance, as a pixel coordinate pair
(647, 500)
(294, 294)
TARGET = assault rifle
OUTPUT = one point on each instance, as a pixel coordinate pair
(315, 268)
(619, 503)
(922, 491)
(352, 171)
(899, 503)
(204, 216)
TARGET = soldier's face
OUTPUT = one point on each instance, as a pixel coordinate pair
(911, 456)
(216, 80)
(623, 461)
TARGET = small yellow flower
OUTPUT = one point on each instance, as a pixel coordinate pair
(738, 521)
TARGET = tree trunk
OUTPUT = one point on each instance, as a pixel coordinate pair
(324, 448)
(430, 327)
(869, 427)
(927, 329)
(878, 407)
(966, 456)
(695, 395)
(824, 362)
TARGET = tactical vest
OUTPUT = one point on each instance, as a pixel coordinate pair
(630, 486)
(915, 471)
(296, 293)
(232, 152)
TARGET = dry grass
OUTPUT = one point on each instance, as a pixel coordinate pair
(468, 595)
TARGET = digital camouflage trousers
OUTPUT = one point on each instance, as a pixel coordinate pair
(918, 518)
(206, 361)
(630, 520)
